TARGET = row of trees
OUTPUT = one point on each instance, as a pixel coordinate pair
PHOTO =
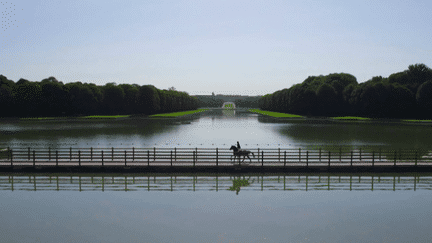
(249, 102)
(50, 97)
(406, 94)
(218, 100)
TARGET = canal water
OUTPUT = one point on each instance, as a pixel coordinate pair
(214, 128)
(242, 208)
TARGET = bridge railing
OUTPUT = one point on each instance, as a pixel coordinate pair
(211, 157)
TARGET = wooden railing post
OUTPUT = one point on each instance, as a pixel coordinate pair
(171, 157)
(56, 157)
(329, 159)
(112, 153)
(307, 158)
(279, 155)
(395, 158)
(217, 157)
(148, 158)
(193, 158)
(125, 158)
(79, 157)
(175, 154)
(154, 153)
(320, 155)
(284, 158)
(133, 153)
(300, 155)
(70, 153)
(196, 154)
(351, 157)
(11, 156)
(91, 153)
(373, 158)
(102, 158)
(262, 158)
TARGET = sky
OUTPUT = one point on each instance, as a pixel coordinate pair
(231, 47)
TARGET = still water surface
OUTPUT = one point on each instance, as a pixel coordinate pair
(206, 209)
(269, 209)
(214, 128)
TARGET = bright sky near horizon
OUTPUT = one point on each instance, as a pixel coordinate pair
(225, 46)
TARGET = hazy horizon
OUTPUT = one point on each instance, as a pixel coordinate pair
(226, 47)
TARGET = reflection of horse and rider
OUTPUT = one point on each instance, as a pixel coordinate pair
(239, 182)
(238, 152)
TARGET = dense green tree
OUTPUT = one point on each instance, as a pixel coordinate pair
(80, 99)
(424, 99)
(326, 100)
(6, 101)
(113, 101)
(53, 97)
(27, 97)
(130, 98)
(148, 100)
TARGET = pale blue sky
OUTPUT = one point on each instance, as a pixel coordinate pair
(228, 47)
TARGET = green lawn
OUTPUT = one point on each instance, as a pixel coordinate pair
(350, 118)
(273, 114)
(417, 120)
(175, 114)
(97, 117)
(41, 118)
(229, 106)
(80, 117)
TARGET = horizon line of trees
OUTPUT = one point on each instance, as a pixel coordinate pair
(217, 100)
(51, 97)
(406, 94)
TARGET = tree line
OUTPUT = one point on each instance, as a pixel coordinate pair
(217, 101)
(51, 97)
(406, 94)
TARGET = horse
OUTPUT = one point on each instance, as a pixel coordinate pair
(241, 152)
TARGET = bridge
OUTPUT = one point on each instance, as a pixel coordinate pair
(213, 159)
(228, 105)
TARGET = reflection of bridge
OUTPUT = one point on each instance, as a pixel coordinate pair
(229, 105)
(214, 183)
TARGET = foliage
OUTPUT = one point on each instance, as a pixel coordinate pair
(51, 97)
(274, 114)
(404, 94)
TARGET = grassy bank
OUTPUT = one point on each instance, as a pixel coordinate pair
(78, 117)
(274, 114)
(417, 120)
(176, 114)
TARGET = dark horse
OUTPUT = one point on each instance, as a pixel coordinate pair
(241, 152)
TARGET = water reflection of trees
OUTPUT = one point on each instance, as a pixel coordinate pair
(322, 131)
(309, 182)
(238, 182)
